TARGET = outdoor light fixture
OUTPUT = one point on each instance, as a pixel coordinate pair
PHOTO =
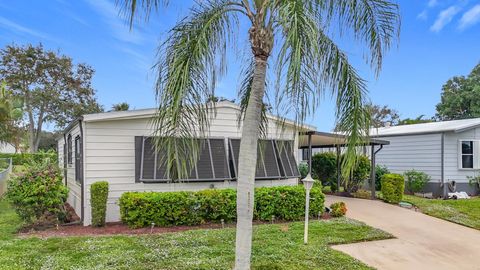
(308, 183)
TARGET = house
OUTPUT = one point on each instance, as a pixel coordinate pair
(448, 151)
(7, 148)
(117, 147)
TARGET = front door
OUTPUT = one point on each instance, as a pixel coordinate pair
(78, 160)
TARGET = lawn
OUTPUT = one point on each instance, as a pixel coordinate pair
(278, 246)
(464, 212)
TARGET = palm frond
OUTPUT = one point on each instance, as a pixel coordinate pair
(190, 62)
(309, 63)
(141, 8)
(374, 22)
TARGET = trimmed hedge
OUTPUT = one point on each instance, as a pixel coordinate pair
(98, 201)
(26, 158)
(392, 187)
(141, 209)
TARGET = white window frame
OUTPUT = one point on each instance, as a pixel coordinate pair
(475, 154)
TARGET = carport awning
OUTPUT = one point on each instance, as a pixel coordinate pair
(328, 140)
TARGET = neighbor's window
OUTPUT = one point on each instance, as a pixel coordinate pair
(69, 149)
(467, 159)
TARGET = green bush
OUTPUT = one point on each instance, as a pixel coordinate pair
(26, 158)
(324, 167)
(303, 168)
(392, 187)
(98, 201)
(338, 209)
(37, 193)
(380, 170)
(359, 174)
(140, 209)
(415, 180)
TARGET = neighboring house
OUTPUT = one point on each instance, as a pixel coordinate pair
(117, 147)
(448, 151)
(7, 148)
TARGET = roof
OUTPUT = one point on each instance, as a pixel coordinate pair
(327, 140)
(146, 113)
(425, 128)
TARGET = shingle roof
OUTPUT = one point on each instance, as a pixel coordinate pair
(434, 127)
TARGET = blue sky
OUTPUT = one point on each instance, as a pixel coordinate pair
(439, 39)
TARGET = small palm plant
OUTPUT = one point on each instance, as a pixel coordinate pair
(290, 36)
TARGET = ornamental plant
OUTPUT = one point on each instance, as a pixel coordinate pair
(393, 186)
(98, 201)
(338, 209)
(37, 193)
(415, 180)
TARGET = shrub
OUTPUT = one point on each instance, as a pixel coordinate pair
(362, 194)
(98, 201)
(37, 193)
(26, 158)
(303, 168)
(392, 187)
(140, 209)
(338, 209)
(324, 167)
(415, 180)
(380, 170)
(359, 174)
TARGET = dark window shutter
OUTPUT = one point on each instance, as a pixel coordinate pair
(138, 156)
(219, 159)
(148, 159)
(287, 159)
(204, 163)
(270, 160)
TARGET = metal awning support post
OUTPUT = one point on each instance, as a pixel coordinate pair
(339, 168)
(372, 172)
(372, 169)
(310, 153)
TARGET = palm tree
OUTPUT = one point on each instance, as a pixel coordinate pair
(123, 106)
(291, 36)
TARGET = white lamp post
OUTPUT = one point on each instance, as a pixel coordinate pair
(308, 183)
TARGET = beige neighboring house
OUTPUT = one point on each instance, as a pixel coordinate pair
(7, 148)
(117, 147)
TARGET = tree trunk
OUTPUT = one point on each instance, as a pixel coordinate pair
(247, 161)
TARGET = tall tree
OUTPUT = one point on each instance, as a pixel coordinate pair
(382, 115)
(123, 106)
(411, 121)
(290, 35)
(52, 87)
(460, 97)
(11, 130)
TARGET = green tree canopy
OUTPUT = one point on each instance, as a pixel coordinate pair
(382, 115)
(52, 87)
(123, 106)
(418, 120)
(460, 97)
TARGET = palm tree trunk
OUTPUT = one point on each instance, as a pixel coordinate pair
(247, 161)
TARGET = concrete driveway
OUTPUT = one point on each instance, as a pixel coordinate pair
(423, 242)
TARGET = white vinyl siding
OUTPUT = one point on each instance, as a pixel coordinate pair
(453, 170)
(419, 152)
(110, 156)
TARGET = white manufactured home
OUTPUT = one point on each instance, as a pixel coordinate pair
(117, 147)
(448, 151)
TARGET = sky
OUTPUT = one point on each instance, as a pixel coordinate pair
(439, 39)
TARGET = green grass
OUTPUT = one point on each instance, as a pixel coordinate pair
(464, 212)
(278, 246)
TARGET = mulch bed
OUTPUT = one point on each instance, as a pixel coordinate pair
(118, 228)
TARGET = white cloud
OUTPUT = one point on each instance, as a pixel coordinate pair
(119, 27)
(22, 30)
(432, 3)
(423, 15)
(444, 18)
(469, 18)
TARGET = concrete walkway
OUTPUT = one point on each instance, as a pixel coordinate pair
(423, 242)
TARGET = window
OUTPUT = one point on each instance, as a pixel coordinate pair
(151, 165)
(468, 154)
(69, 149)
(274, 159)
(78, 160)
(305, 154)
